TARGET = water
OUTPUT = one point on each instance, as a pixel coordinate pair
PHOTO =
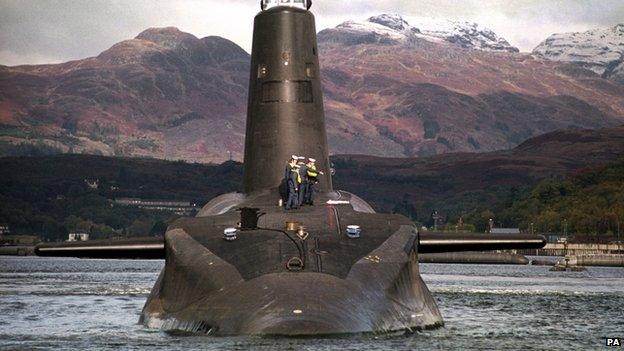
(72, 304)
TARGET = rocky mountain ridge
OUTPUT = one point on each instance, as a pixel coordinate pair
(394, 29)
(170, 95)
(599, 50)
(164, 93)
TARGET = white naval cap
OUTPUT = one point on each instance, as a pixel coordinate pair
(294, 157)
(312, 160)
(302, 157)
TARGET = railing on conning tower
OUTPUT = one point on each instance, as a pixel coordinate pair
(303, 4)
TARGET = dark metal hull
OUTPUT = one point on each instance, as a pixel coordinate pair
(371, 284)
(285, 113)
(249, 286)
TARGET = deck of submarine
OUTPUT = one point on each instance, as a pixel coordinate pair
(327, 248)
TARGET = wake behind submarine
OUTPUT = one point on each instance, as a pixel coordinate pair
(294, 273)
(298, 272)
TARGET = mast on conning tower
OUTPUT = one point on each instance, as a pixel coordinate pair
(302, 4)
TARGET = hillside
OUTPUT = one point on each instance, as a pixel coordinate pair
(458, 184)
(166, 94)
(421, 97)
(589, 202)
(48, 195)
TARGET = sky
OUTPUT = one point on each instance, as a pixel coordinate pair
(52, 31)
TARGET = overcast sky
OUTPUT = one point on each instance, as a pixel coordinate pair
(50, 31)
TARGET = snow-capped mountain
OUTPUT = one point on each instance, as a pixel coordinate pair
(393, 29)
(465, 34)
(600, 50)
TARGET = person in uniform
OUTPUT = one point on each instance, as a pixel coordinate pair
(289, 166)
(303, 174)
(293, 183)
(283, 189)
(312, 179)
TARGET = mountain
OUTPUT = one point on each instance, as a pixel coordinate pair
(598, 50)
(393, 92)
(398, 90)
(394, 29)
(165, 94)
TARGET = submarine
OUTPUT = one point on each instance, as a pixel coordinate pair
(246, 266)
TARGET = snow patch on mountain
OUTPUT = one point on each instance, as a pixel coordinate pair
(600, 50)
(393, 28)
(465, 34)
(378, 30)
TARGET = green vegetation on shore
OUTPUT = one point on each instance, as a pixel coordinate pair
(49, 196)
(588, 202)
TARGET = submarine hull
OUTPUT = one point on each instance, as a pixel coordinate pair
(245, 287)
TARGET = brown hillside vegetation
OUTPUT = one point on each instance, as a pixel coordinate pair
(170, 95)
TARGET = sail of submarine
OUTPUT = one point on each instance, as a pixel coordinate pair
(273, 280)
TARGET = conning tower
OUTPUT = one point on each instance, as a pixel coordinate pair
(285, 113)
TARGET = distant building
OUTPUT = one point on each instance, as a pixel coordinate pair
(505, 231)
(78, 237)
(182, 208)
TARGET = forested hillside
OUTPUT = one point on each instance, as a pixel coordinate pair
(49, 196)
(590, 201)
(568, 178)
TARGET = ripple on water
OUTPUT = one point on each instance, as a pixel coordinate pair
(69, 304)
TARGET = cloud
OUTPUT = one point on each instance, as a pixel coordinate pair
(46, 31)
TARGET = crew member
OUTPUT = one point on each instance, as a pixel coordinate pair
(287, 172)
(289, 166)
(293, 188)
(312, 178)
(303, 176)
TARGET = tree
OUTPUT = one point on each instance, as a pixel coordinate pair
(141, 227)
(158, 229)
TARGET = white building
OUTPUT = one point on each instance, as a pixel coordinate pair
(182, 208)
(78, 237)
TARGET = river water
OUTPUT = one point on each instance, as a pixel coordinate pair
(72, 304)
